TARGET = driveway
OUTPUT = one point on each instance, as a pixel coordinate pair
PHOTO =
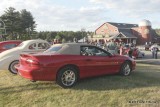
(148, 58)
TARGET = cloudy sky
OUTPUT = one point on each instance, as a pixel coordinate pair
(57, 15)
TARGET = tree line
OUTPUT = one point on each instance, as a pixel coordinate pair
(157, 31)
(21, 25)
(63, 36)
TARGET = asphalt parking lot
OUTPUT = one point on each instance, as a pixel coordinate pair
(148, 58)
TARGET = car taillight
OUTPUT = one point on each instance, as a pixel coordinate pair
(32, 62)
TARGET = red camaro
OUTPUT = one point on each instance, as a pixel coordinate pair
(66, 63)
(5, 45)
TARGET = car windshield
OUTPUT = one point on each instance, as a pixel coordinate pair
(53, 49)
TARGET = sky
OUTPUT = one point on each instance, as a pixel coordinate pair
(74, 15)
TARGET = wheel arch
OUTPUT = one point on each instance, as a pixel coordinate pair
(68, 65)
(9, 67)
(12, 62)
(130, 62)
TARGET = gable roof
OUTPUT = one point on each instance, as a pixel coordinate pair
(127, 33)
(120, 25)
(123, 25)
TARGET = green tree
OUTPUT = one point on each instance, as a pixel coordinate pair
(58, 37)
(63, 40)
(18, 24)
(157, 31)
(27, 22)
(11, 18)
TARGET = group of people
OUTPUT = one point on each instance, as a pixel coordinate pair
(121, 49)
(112, 47)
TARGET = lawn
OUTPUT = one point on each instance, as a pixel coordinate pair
(141, 89)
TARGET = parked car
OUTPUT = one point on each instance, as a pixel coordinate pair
(9, 58)
(67, 63)
(137, 53)
(147, 46)
(5, 45)
(155, 45)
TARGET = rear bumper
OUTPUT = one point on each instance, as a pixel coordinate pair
(36, 74)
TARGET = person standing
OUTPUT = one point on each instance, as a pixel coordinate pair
(121, 50)
(155, 49)
(130, 52)
(152, 50)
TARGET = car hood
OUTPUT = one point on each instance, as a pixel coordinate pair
(13, 51)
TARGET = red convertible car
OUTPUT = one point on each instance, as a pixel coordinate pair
(66, 63)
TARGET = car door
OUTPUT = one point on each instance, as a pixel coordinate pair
(97, 61)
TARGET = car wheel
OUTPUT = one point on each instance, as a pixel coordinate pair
(67, 77)
(125, 69)
(12, 68)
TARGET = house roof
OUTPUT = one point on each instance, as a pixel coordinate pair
(123, 25)
(127, 33)
(122, 35)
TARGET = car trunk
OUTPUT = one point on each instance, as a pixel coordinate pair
(34, 60)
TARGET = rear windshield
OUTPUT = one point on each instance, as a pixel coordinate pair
(53, 49)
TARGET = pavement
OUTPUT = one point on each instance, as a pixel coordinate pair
(148, 58)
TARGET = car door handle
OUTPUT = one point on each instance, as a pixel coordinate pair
(88, 60)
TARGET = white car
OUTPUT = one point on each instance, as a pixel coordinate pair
(155, 45)
(10, 58)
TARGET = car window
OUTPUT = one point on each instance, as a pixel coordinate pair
(9, 46)
(93, 51)
(53, 49)
(43, 46)
(32, 46)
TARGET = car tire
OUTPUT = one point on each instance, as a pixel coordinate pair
(67, 77)
(125, 69)
(12, 68)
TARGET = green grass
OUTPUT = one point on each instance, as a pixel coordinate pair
(105, 91)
